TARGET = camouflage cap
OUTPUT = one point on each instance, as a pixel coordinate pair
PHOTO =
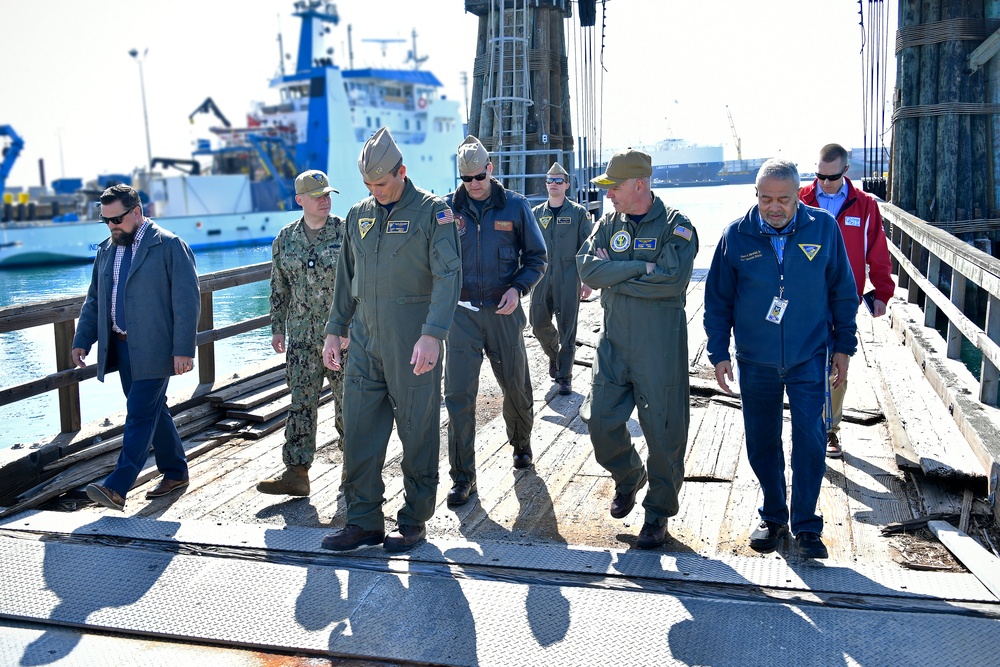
(379, 156)
(557, 170)
(313, 183)
(623, 166)
(472, 156)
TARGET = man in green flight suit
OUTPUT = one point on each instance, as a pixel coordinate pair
(641, 258)
(398, 281)
(565, 226)
(303, 270)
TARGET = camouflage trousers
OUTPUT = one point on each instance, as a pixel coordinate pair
(304, 373)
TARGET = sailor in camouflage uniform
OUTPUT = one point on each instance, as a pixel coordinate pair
(397, 286)
(304, 269)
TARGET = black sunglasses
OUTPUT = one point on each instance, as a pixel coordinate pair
(557, 181)
(832, 177)
(477, 177)
(116, 220)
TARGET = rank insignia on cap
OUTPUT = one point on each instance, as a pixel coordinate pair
(544, 221)
(620, 241)
(364, 224)
(445, 216)
(645, 244)
(397, 227)
(682, 232)
(504, 225)
(810, 249)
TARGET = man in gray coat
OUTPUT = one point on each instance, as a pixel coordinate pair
(143, 298)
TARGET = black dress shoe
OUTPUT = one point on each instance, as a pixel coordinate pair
(352, 536)
(553, 369)
(459, 494)
(765, 539)
(624, 502)
(565, 387)
(522, 457)
(404, 538)
(811, 545)
(651, 536)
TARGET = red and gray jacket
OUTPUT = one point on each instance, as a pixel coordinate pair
(861, 226)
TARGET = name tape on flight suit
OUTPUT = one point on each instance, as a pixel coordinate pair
(398, 227)
(564, 220)
(504, 225)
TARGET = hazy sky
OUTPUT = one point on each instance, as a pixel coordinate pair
(790, 70)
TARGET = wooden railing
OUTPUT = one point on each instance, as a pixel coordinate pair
(918, 251)
(63, 313)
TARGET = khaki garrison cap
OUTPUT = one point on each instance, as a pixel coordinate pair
(623, 166)
(379, 156)
(472, 156)
(313, 183)
(557, 170)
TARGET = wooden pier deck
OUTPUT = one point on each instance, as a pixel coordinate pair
(557, 508)
(563, 498)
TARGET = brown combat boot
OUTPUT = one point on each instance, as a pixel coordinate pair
(293, 482)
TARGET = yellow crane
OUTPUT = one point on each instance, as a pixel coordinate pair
(736, 137)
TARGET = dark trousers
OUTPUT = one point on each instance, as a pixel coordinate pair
(501, 338)
(148, 422)
(763, 389)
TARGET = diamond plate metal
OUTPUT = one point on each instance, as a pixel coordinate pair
(764, 571)
(434, 617)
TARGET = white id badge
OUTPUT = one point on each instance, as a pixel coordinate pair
(777, 310)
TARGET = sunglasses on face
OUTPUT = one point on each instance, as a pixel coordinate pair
(116, 220)
(557, 181)
(831, 177)
(477, 177)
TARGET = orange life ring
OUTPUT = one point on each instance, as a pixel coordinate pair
(422, 103)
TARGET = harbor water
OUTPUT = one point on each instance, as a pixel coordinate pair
(30, 354)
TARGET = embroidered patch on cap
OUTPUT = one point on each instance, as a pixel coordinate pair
(810, 249)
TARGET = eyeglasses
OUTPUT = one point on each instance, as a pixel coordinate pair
(477, 177)
(831, 177)
(557, 181)
(116, 220)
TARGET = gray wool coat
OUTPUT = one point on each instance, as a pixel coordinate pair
(162, 300)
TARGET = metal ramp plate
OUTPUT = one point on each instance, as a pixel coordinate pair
(766, 572)
(401, 609)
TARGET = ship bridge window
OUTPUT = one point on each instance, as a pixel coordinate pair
(406, 124)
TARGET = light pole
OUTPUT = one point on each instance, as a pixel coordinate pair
(145, 116)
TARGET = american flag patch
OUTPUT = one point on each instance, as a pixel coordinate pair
(445, 216)
(683, 232)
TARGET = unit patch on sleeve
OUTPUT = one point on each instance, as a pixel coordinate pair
(564, 220)
(810, 249)
(504, 225)
(645, 244)
(682, 232)
(397, 227)
(544, 221)
(364, 224)
(445, 216)
(620, 241)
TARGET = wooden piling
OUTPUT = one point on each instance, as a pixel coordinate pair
(904, 176)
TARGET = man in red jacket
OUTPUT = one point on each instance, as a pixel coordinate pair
(861, 226)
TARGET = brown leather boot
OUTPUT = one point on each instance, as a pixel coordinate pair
(293, 482)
